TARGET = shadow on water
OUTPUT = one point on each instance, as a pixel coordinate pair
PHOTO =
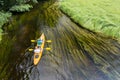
(77, 54)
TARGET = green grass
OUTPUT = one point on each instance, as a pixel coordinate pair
(97, 15)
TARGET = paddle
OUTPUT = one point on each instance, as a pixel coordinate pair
(48, 41)
(33, 40)
(31, 49)
(48, 49)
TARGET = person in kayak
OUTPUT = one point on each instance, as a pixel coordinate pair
(39, 42)
(36, 50)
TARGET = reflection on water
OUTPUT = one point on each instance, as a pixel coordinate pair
(77, 54)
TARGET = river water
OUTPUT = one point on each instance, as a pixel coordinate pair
(76, 53)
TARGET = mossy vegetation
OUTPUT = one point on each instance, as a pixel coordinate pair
(3, 19)
(21, 8)
(8, 6)
(97, 15)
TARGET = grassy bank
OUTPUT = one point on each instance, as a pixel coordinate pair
(97, 15)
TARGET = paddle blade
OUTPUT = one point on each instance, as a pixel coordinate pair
(49, 41)
(33, 40)
(30, 49)
(48, 49)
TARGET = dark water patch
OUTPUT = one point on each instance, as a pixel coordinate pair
(22, 30)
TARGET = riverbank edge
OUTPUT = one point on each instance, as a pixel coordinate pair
(97, 33)
(68, 12)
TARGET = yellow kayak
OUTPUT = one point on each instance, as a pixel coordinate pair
(39, 49)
